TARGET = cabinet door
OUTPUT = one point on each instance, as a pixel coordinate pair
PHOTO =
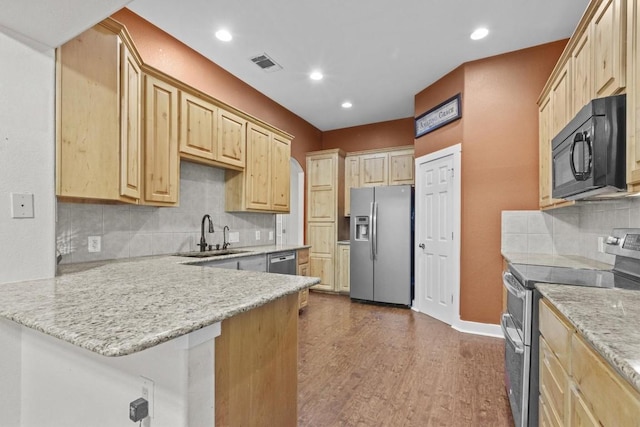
(561, 99)
(231, 139)
(258, 169)
(609, 32)
(88, 111)
(545, 118)
(351, 180)
(130, 126)
(280, 171)
(633, 100)
(401, 167)
(161, 164)
(321, 188)
(374, 170)
(581, 415)
(198, 127)
(582, 81)
(321, 236)
(344, 268)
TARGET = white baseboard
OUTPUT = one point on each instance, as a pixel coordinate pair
(476, 328)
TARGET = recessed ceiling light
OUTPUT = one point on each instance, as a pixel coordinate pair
(223, 35)
(480, 33)
(347, 104)
(316, 75)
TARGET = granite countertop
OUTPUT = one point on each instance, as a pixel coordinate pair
(607, 318)
(570, 261)
(119, 308)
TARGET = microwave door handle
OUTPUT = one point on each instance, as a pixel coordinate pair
(586, 140)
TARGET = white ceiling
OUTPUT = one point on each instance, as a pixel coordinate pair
(377, 54)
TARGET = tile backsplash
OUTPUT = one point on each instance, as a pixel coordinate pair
(131, 230)
(573, 230)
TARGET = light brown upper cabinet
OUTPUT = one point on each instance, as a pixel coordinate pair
(264, 184)
(351, 180)
(582, 82)
(372, 168)
(545, 153)
(609, 54)
(633, 97)
(98, 136)
(209, 134)
(561, 93)
(401, 166)
(161, 162)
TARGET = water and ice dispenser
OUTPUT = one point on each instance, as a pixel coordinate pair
(362, 228)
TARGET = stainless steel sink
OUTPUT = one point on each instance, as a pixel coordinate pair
(207, 254)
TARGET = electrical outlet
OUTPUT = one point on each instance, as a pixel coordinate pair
(148, 393)
(601, 244)
(271, 235)
(21, 205)
(94, 243)
(234, 237)
(258, 235)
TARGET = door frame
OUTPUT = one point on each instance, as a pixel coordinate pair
(285, 220)
(456, 152)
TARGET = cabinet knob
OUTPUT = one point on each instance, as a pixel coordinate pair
(421, 245)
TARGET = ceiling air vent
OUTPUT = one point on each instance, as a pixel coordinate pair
(266, 63)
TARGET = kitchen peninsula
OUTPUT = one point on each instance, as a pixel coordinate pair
(84, 344)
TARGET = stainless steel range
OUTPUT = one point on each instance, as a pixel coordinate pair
(520, 321)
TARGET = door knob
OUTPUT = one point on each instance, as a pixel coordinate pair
(421, 245)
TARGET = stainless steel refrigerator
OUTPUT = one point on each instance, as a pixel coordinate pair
(382, 244)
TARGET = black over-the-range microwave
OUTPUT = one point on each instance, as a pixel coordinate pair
(589, 154)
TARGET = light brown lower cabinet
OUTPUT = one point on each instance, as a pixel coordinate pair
(303, 270)
(577, 386)
(256, 367)
(344, 268)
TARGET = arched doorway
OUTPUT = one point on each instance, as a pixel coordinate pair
(290, 227)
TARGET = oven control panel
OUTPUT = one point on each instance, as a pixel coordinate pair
(624, 242)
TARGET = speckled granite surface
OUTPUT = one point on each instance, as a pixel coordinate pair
(119, 308)
(607, 318)
(570, 261)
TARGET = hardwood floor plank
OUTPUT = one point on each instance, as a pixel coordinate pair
(369, 365)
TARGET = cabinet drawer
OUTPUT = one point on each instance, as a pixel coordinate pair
(556, 332)
(303, 256)
(605, 393)
(553, 383)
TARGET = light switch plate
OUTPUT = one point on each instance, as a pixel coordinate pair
(21, 205)
(271, 235)
(234, 237)
(258, 235)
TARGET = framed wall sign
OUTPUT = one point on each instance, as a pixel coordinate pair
(443, 114)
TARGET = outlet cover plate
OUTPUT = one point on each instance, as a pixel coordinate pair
(234, 237)
(21, 205)
(94, 243)
(258, 235)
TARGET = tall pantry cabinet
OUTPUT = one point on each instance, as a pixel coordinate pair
(325, 223)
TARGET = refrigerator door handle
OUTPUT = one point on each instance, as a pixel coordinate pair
(371, 225)
(375, 230)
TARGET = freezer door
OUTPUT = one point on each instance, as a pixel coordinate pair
(393, 244)
(361, 261)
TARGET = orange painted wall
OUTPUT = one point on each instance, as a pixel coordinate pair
(174, 58)
(499, 136)
(393, 133)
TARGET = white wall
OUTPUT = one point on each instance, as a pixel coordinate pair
(27, 147)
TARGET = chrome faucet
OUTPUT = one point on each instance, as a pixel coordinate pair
(203, 241)
(225, 244)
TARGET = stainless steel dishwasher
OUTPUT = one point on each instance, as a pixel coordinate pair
(282, 262)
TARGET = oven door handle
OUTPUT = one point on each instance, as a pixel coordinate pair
(510, 333)
(508, 280)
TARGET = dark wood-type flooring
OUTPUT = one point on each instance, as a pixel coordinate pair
(371, 365)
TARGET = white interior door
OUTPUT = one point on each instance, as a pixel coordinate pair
(437, 235)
